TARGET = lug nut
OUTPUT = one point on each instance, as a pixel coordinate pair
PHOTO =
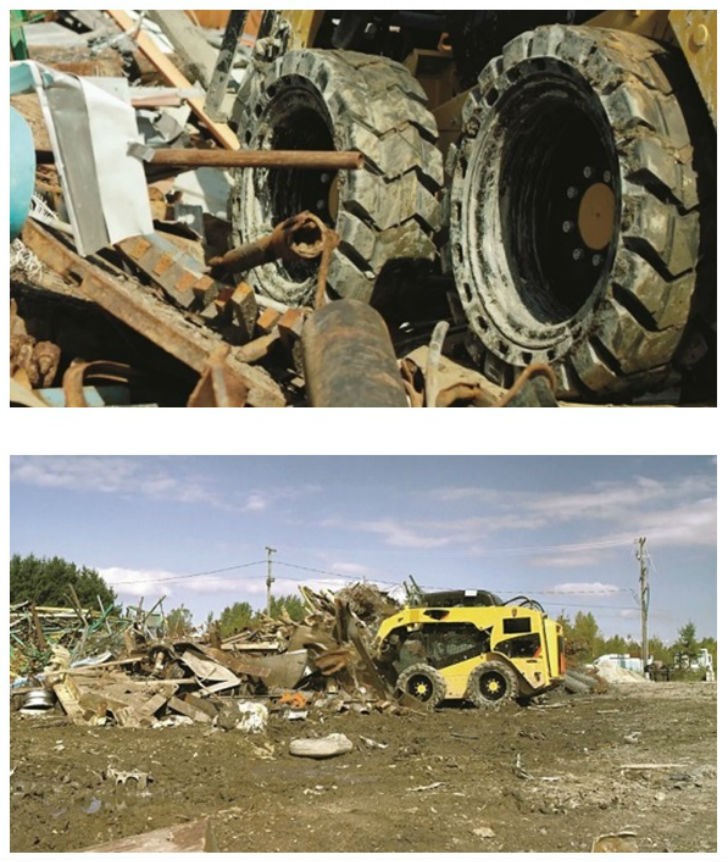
(567, 226)
(572, 192)
(596, 259)
(607, 176)
(577, 254)
(588, 172)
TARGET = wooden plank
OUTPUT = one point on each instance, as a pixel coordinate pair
(195, 837)
(67, 694)
(189, 43)
(188, 709)
(157, 321)
(222, 133)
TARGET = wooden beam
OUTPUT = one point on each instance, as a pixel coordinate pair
(146, 314)
(222, 133)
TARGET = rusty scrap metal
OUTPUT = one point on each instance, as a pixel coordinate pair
(534, 387)
(148, 315)
(217, 386)
(78, 373)
(451, 383)
(331, 240)
(33, 364)
(349, 359)
(177, 273)
(299, 237)
(316, 160)
(225, 58)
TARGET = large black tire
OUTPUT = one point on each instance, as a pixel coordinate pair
(576, 221)
(341, 100)
(424, 683)
(491, 684)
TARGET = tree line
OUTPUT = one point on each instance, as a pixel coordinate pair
(585, 642)
(51, 582)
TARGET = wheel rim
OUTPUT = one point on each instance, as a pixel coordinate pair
(559, 201)
(421, 686)
(493, 685)
(536, 180)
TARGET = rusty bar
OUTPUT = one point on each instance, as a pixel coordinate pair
(300, 236)
(317, 160)
(155, 320)
(349, 359)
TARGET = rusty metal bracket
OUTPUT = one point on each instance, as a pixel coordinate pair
(79, 372)
(218, 387)
(534, 387)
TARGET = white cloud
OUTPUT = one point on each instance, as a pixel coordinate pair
(354, 569)
(138, 582)
(140, 477)
(256, 503)
(395, 533)
(154, 478)
(566, 561)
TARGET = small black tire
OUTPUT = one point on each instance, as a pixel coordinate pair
(424, 683)
(609, 304)
(389, 210)
(491, 684)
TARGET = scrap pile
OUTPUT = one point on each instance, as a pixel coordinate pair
(39, 635)
(122, 672)
(124, 286)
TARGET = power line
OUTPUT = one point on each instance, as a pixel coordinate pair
(193, 575)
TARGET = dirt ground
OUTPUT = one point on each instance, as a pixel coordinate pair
(549, 777)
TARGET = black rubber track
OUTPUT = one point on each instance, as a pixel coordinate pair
(622, 329)
(342, 100)
(434, 679)
(506, 675)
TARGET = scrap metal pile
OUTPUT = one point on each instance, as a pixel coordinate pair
(124, 286)
(105, 670)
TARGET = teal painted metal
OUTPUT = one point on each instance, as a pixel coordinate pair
(18, 46)
(22, 172)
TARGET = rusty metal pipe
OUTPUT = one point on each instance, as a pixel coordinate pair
(349, 359)
(300, 236)
(319, 160)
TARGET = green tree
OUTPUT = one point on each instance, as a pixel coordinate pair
(179, 622)
(582, 636)
(234, 619)
(659, 651)
(615, 644)
(47, 582)
(686, 641)
(292, 605)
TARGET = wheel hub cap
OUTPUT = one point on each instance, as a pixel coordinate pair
(596, 216)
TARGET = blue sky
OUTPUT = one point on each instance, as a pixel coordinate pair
(561, 529)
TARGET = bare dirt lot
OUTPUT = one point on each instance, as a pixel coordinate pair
(640, 758)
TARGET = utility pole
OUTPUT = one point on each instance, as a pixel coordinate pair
(269, 580)
(644, 598)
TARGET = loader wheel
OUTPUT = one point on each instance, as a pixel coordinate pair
(341, 100)
(424, 683)
(576, 224)
(491, 684)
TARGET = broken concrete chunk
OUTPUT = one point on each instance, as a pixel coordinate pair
(618, 842)
(245, 715)
(327, 746)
